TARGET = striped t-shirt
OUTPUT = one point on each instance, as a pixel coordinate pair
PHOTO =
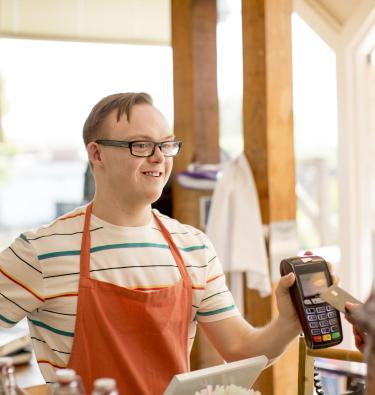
(39, 275)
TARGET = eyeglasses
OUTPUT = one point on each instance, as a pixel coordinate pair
(145, 149)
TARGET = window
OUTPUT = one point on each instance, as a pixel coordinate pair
(47, 91)
(316, 136)
(230, 77)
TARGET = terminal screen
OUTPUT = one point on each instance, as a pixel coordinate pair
(313, 283)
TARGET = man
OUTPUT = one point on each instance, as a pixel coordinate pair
(116, 289)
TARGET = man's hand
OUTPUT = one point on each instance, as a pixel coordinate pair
(285, 306)
(359, 336)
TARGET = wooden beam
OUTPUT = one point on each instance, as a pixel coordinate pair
(268, 144)
(196, 120)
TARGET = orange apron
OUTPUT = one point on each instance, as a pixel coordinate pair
(138, 338)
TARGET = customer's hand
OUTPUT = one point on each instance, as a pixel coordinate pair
(359, 335)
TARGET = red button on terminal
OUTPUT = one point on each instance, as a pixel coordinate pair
(317, 339)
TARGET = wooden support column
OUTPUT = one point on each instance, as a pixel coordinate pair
(196, 120)
(268, 142)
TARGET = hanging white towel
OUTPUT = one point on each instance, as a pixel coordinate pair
(235, 225)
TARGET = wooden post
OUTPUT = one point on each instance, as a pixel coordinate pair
(196, 120)
(268, 142)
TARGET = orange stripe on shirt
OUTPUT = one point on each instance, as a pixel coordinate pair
(215, 277)
(55, 365)
(148, 288)
(158, 287)
(70, 216)
(21, 284)
(61, 295)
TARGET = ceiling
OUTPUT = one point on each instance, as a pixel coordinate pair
(339, 10)
(127, 21)
(132, 21)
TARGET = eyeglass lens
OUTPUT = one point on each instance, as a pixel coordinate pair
(146, 148)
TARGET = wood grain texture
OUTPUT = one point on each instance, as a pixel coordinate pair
(268, 144)
(195, 115)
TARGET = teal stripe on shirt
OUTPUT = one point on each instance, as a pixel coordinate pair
(129, 245)
(192, 248)
(23, 237)
(212, 312)
(2, 318)
(114, 246)
(58, 253)
(50, 328)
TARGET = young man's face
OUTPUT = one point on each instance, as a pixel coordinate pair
(136, 180)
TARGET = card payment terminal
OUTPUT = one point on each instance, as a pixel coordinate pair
(320, 321)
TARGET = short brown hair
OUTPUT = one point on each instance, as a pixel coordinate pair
(123, 102)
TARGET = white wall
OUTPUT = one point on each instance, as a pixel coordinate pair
(129, 21)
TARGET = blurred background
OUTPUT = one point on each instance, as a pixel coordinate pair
(58, 58)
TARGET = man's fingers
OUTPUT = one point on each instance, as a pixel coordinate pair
(331, 268)
(285, 283)
(335, 277)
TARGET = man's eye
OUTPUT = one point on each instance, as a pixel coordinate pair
(170, 144)
(141, 145)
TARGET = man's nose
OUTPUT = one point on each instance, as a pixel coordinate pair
(158, 154)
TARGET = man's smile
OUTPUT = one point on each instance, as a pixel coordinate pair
(152, 173)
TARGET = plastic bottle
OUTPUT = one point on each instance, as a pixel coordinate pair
(8, 384)
(105, 386)
(68, 383)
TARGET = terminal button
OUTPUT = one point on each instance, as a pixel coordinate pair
(336, 335)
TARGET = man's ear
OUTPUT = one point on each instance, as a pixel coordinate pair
(93, 152)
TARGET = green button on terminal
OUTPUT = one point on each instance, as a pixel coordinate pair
(335, 335)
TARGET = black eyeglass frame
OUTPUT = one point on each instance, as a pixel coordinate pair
(129, 144)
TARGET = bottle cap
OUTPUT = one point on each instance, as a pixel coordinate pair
(65, 375)
(105, 383)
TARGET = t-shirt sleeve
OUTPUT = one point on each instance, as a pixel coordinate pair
(217, 302)
(21, 282)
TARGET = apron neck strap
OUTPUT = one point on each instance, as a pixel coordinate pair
(85, 246)
(174, 250)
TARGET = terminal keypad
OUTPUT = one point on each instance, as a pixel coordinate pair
(322, 320)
